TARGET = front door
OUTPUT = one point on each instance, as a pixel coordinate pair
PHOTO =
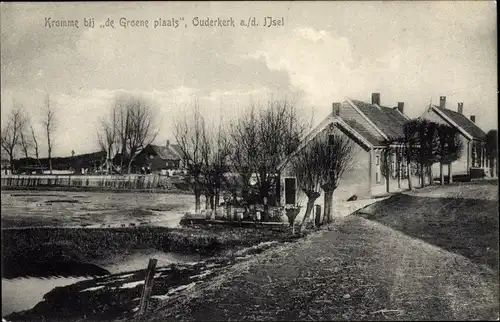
(290, 190)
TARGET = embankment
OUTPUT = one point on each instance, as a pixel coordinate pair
(26, 248)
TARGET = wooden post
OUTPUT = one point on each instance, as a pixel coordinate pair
(148, 285)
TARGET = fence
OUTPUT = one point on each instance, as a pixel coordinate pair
(131, 181)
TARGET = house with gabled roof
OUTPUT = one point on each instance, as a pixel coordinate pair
(473, 160)
(159, 158)
(371, 126)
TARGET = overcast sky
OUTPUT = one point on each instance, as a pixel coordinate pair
(408, 51)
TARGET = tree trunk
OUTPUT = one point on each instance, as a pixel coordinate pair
(217, 199)
(399, 171)
(49, 151)
(387, 171)
(207, 202)
(264, 186)
(309, 208)
(408, 170)
(441, 173)
(422, 175)
(197, 201)
(11, 159)
(212, 202)
(450, 173)
(50, 165)
(129, 167)
(37, 154)
(431, 176)
(387, 188)
(327, 217)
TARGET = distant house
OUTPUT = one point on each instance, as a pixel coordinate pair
(370, 126)
(159, 159)
(473, 160)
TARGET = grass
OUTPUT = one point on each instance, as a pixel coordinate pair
(461, 218)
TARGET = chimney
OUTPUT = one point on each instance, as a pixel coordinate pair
(473, 118)
(336, 109)
(460, 108)
(401, 107)
(442, 101)
(168, 143)
(376, 98)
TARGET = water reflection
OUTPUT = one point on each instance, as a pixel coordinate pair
(24, 293)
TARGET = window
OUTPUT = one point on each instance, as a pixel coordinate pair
(377, 177)
(377, 160)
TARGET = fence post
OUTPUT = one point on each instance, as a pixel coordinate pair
(148, 285)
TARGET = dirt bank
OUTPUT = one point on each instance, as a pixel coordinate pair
(24, 248)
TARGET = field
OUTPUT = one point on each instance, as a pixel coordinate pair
(91, 209)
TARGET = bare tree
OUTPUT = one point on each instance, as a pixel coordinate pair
(10, 136)
(420, 142)
(386, 164)
(130, 128)
(25, 137)
(430, 144)
(449, 148)
(245, 140)
(141, 129)
(189, 137)
(49, 125)
(305, 165)
(262, 139)
(215, 151)
(409, 143)
(35, 144)
(334, 153)
(107, 135)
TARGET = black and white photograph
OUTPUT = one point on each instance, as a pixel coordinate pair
(249, 161)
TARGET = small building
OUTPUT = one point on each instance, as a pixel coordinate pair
(370, 126)
(473, 160)
(159, 159)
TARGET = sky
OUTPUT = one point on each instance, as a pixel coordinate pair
(411, 52)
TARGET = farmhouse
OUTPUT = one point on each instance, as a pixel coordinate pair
(159, 159)
(473, 161)
(370, 126)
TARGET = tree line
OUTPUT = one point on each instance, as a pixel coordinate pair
(18, 134)
(241, 158)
